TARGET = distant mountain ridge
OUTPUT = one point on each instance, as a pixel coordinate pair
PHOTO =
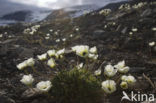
(17, 16)
(37, 14)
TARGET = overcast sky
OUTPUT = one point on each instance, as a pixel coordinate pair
(8, 6)
(54, 4)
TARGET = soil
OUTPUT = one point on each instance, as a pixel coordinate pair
(114, 44)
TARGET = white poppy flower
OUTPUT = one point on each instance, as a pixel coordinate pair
(109, 86)
(97, 72)
(58, 40)
(44, 86)
(131, 80)
(51, 30)
(82, 50)
(51, 63)
(110, 71)
(105, 26)
(71, 35)
(120, 64)
(134, 29)
(48, 34)
(124, 85)
(93, 50)
(51, 53)
(22, 65)
(130, 33)
(151, 44)
(154, 29)
(60, 53)
(93, 56)
(124, 70)
(27, 79)
(124, 78)
(1, 35)
(77, 29)
(64, 39)
(30, 62)
(42, 57)
(47, 38)
(121, 67)
(80, 66)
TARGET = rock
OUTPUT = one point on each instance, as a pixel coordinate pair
(149, 101)
(40, 101)
(115, 17)
(30, 93)
(98, 33)
(124, 30)
(141, 84)
(138, 70)
(118, 28)
(8, 41)
(26, 52)
(4, 99)
(147, 12)
(154, 10)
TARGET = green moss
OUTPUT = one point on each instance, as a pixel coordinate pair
(76, 86)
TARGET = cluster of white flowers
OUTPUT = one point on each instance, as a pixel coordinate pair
(109, 86)
(133, 30)
(105, 12)
(43, 86)
(135, 6)
(51, 62)
(125, 7)
(31, 30)
(139, 5)
(127, 80)
(26, 63)
(47, 36)
(42, 57)
(85, 51)
(122, 68)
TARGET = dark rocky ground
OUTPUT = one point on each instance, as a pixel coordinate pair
(114, 44)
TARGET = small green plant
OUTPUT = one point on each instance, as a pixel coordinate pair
(76, 86)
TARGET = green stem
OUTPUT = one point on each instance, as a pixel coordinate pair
(33, 68)
(26, 72)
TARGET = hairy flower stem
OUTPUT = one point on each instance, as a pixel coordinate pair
(48, 95)
(26, 72)
(118, 79)
(87, 63)
(34, 70)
